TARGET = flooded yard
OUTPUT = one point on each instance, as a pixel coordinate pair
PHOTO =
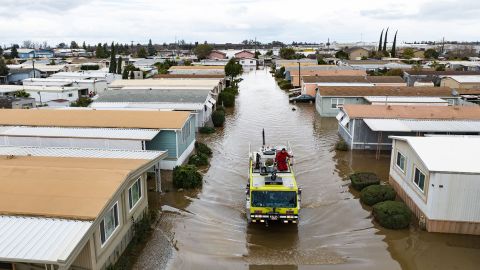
(207, 229)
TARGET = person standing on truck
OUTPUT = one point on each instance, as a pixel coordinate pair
(281, 159)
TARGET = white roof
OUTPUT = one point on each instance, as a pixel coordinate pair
(405, 99)
(147, 105)
(36, 88)
(79, 152)
(41, 240)
(343, 84)
(458, 155)
(98, 133)
(209, 83)
(403, 125)
(466, 78)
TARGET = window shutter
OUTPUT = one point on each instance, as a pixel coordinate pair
(102, 231)
(115, 213)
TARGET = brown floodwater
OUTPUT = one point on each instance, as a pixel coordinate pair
(207, 229)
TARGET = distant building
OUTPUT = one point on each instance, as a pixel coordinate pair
(44, 53)
(437, 177)
(91, 85)
(248, 62)
(413, 76)
(244, 55)
(293, 76)
(461, 82)
(22, 53)
(17, 75)
(44, 94)
(357, 53)
(368, 127)
(8, 102)
(330, 99)
(310, 85)
(198, 70)
(217, 55)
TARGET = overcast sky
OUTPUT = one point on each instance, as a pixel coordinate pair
(221, 21)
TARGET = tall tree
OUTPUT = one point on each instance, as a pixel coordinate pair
(394, 45)
(73, 45)
(99, 51)
(385, 41)
(113, 61)
(14, 52)
(119, 65)
(380, 42)
(84, 46)
(151, 50)
(202, 51)
(233, 69)
(105, 50)
(142, 53)
(3, 67)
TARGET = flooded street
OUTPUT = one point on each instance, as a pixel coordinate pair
(208, 229)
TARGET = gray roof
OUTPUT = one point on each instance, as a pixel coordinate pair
(155, 95)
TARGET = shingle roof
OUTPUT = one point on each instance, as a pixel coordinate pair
(335, 79)
(412, 112)
(154, 95)
(353, 91)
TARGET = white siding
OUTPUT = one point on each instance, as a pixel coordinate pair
(458, 200)
(72, 142)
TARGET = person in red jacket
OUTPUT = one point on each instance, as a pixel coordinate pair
(281, 159)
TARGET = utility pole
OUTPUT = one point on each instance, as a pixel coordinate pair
(33, 64)
(299, 77)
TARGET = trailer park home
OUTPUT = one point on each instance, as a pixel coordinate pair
(123, 130)
(368, 127)
(438, 178)
(70, 212)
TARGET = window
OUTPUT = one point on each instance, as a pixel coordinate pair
(109, 223)
(451, 102)
(401, 161)
(419, 179)
(284, 199)
(134, 193)
(70, 95)
(336, 102)
(186, 132)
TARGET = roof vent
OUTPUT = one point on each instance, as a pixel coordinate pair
(389, 107)
(454, 92)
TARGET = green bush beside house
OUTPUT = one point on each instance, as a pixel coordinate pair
(392, 214)
(187, 176)
(363, 179)
(377, 193)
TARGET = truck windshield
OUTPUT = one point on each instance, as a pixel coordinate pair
(285, 199)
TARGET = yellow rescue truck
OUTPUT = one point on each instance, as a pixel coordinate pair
(272, 195)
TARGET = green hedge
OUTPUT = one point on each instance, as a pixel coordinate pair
(232, 90)
(206, 130)
(199, 159)
(285, 85)
(203, 148)
(364, 179)
(187, 176)
(227, 99)
(392, 214)
(218, 118)
(376, 193)
(220, 108)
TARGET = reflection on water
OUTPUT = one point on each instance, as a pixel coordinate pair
(209, 230)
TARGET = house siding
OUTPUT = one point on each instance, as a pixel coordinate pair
(183, 145)
(324, 104)
(165, 141)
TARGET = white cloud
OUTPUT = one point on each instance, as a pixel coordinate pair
(234, 20)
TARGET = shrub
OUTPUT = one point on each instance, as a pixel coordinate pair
(233, 90)
(218, 118)
(376, 193)
(285, 85)
(206, 130)
(220, 108)
(341, 146)
(227, 98)
(364, 179)
(186, 176)
(199, 159)
(203, 148)
(392, 214)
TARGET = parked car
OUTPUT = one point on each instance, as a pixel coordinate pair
(302, 98)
